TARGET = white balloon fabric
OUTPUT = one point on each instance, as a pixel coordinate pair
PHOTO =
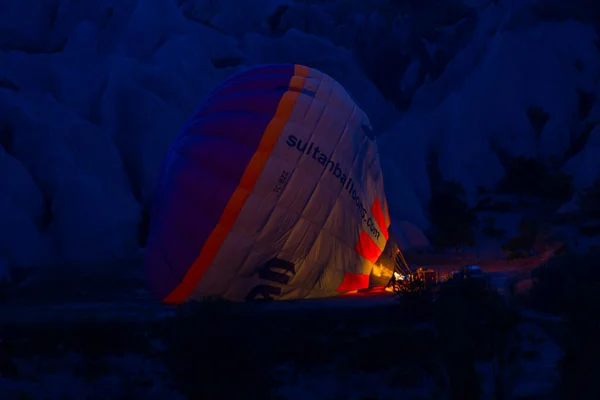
(273, 190)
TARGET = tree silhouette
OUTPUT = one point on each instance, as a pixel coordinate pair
(473, 324)
(522, 244)
(529, 177)
(590, 200)
(569, 285)
(452, 220)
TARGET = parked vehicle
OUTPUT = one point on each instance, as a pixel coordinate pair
(471, 273)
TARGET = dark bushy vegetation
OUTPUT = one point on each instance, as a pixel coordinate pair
(216, 350)
(590, 200)
(529, 177)
(490, 230)
(488, 204)
(214, 353)
(220, 351)
(48, 347)
(590, 230)
(452, 221)
(473, 324)
(570, 285)
(521, 245)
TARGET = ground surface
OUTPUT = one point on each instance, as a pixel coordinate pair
(51, 324)
(106, 292)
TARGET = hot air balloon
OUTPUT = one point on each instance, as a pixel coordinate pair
(272, 190)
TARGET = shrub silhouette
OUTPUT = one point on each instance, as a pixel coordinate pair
(529, 177)
(590, 230)
(452, 221)
(208, 358)
(490, 230)
(569, 285)
(521, 245)
(590, 200)
(473, 324)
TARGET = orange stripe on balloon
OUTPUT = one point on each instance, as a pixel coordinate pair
(367, 248)
(233, 208)
(379, 217)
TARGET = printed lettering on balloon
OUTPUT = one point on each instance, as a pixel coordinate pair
(275, 270)
(335, 169)
(281, 181)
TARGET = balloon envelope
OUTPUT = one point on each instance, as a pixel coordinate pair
(272, 190)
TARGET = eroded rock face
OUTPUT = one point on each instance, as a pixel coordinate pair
(476, 3)
(86, 128)
(301, 48)
(585, 166)
(92, 94)
(501, 95)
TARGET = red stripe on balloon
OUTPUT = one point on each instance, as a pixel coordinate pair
(353, 282)
(367, 248)
(387, 213)
(379, 217)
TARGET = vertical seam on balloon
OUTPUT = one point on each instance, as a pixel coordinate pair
(273, 210)
(237, 200)
(319, 120)
(309, 139)
(338, 199)
(293, 171)
(355, 108)
(297, 81)
(353, 165)
(316, 91)
(361, 229)
(344, 133)
(322, 269)
(323, 172)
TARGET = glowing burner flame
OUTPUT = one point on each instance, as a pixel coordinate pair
(399, 277)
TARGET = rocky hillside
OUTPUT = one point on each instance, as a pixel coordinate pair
(91, 95)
